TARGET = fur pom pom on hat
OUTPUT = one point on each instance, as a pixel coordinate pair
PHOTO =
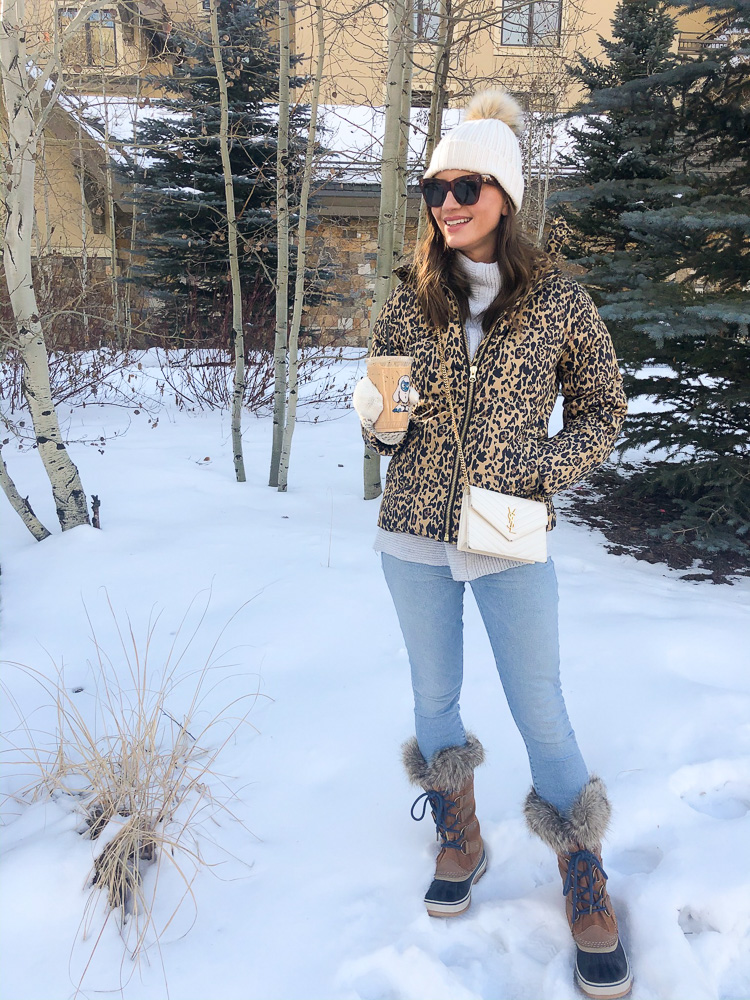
(486, 142)
(496, 104)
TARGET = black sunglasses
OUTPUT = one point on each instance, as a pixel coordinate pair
(465, 190)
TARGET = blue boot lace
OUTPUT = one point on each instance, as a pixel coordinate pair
(445, 822)
(581, 879)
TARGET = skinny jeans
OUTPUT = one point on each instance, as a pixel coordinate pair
(519, 609)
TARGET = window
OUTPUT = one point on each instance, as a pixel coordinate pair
(94, 42)
(426, 20)
(536, 23)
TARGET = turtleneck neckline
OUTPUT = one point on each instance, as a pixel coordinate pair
(474, 266)
(484, 281)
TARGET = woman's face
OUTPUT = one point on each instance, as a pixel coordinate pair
(471, 228)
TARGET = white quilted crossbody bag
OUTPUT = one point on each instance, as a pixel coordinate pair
(491, 523)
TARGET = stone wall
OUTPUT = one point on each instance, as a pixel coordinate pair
(346, 248)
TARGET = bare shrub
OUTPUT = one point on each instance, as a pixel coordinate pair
(77, 377)
(76, 313)
(192, 379)
(203, 378)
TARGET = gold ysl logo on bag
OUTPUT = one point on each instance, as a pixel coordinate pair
(511, 518)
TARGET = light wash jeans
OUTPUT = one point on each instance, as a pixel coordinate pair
(519, 610)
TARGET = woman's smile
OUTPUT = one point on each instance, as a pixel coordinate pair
(455, 223)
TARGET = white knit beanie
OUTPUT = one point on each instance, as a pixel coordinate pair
(486, 142)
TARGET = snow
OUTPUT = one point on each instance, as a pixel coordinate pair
(312, 888)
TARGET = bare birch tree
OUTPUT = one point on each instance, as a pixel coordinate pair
(84, 224)
(238, 339)
(438, 93)
(128, 303)
(29, 102)
(299, 285)
(282, 240)
(402, 170)
(397, 79)
(397, 29)
(109, 195)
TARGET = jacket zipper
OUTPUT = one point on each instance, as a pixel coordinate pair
(464, 425)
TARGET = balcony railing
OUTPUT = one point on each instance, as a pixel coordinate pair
(693, 41)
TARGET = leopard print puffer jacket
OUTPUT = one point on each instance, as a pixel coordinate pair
(555, 341)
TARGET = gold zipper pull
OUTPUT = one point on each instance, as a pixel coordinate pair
(473, 373)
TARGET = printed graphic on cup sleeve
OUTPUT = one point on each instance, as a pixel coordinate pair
(401, 395)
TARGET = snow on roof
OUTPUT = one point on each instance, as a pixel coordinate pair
(117, 115)
(351, 135)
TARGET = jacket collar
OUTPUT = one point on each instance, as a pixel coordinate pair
(405, 273)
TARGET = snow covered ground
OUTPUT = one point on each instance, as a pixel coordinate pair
(314, 890)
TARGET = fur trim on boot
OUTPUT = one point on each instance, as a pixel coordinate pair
(584, 828)
(449, 769)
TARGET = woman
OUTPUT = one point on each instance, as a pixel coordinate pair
(513, 330)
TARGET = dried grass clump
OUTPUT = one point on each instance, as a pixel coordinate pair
(142, 777)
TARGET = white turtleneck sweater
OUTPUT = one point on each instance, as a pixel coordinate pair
(484, 280)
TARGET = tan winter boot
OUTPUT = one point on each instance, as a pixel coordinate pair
(602, 967)
(448, 781)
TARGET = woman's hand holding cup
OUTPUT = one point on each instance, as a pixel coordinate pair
(392, 377)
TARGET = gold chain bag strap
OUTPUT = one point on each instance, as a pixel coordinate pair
(491, 523)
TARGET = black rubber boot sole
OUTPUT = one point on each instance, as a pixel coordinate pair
(449, 899)
(604, 975)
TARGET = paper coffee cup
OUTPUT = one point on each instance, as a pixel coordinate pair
(392, 375)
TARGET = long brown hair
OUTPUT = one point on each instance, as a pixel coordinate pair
(435, 265)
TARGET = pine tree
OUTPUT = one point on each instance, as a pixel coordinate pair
(621, 152)
(182, 228)
(692, 299)
(671, 272)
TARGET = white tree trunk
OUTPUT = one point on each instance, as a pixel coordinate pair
(128, 295)
(22, 98)
(44, 250)
(437, 97)
(407, 73)
(545, 167)
(389, 161)
(20, 505)
(84, 233)
(110, 201)
(282, 241)
(299, 285)
(238, 338)
(388, 199)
